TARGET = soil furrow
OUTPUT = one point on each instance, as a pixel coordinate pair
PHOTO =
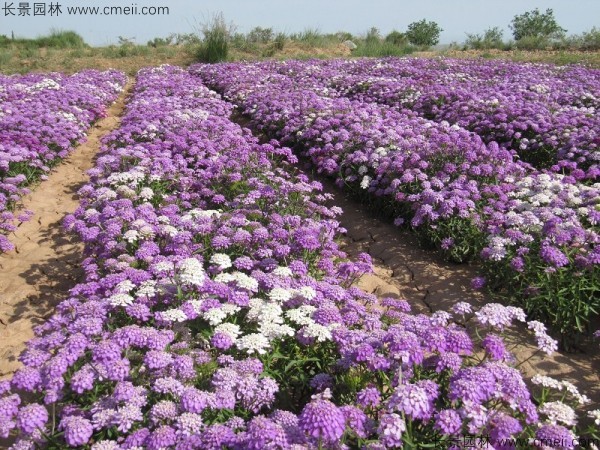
(47, 261)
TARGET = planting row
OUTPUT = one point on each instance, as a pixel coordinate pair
(536, 233)
(42, 118)
(216, 313)
(546, 114)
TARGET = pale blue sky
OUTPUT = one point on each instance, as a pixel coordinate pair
(456, 17)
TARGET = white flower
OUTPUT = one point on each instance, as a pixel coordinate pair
(548, 382)
(230, 329)
(307, 292)
(595, 415)
(366, 181)
(224, 278)
(245, 282)
(191, 272)
(285, 272)
(230, 309)
(120, 299)
(147, 289)
(124, 287)
(131, 236)
(559, 412)
(274, 330)
(301, 315)
(146, 193)
(319, 332)
(174, 315)
(222, 260)
(253, 343)
(169, 230)
(214, 316)
(280, 295)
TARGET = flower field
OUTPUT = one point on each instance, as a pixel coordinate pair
(218, 311)
(534, 230)
(42, 118)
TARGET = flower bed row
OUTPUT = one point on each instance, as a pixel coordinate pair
(216, 313)
(546, 114)
(42, 118)
(537, 234)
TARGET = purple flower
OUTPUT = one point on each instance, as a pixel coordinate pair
(412, 400)
(495, 348)
(32, 417)
(390, 430)
(448, 422)
(77, 430)
(322, 420)
(559, 437)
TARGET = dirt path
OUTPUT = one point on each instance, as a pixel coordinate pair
(47, 261)
(403, 270)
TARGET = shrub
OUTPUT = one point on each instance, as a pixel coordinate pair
(590, 40)
(533, 43)
(215, 45)
(492, 38)
(397, 38)
(381, 49)
(260, 35)
(424, 33)
(536, 25)
(279, 41)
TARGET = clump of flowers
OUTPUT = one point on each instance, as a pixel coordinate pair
(164, 345)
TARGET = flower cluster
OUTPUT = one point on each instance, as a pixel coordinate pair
(216, 312)
(42, 118)
(460, 190)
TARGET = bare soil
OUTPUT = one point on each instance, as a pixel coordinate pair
(47, 261)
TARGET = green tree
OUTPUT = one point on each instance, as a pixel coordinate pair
(537, 25)
(423, 33)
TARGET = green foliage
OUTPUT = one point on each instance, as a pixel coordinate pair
(343, 36)
(56, 39)
(423, 33)
(310, 36)
(491, 38)
(590, 40)
(260, 35)
(373, 36)
(161, 42)
(534, 24)
(215, 44)
(279, 41)
(532, 43)
(381, 49)
(397, 38)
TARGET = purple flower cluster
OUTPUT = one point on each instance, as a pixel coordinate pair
(463, 192)
(215, 302)
(42, 118)
(546, 114)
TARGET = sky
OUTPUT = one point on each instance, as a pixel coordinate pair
(456, 17)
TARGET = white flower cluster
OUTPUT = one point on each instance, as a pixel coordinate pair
(559, 412)
(553, 383)
(544, 341)
(221, 260)
(191, 272)
(240, 279)
(46, 83)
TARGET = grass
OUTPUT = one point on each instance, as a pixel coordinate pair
(65, 51)
(381, 49)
